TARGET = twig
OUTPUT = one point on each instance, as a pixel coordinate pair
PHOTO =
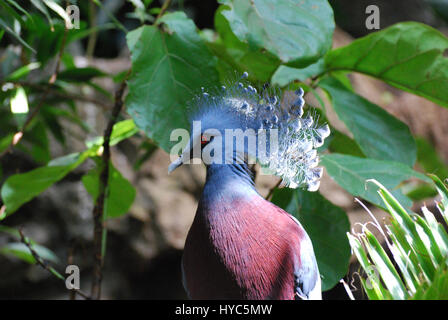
(19, 135)
(41, 262)
(98, 210)
(273, 189)
(93, 36)
(165, 6)
(70, 260)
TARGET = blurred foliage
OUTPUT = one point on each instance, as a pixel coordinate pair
(286, 43)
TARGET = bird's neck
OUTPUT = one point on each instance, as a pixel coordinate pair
(228, 181)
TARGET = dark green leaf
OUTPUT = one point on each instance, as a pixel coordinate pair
(297, 32)
(326, 224)
(120, 192)
(379, 134)
(21, 188)
(285, 75)
(351, 174)
(21, 251)
(168, 67)
(409, 56)
(80, 74)
(238, 55)
(340, 143)
(430, 161)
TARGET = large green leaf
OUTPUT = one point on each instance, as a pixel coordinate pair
(326, 224)
(21, 188)
(169, 64)
(351, 173)
(120, 193)
(297, 32)
(285, 75)
(237, 55)
(340, 143)
(410, 56)
(379, 134)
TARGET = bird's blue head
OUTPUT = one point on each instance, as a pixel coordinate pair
(236, 123)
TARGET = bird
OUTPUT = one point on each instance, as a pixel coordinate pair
(240, 245)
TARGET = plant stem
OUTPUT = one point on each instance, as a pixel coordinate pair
(41, 262)
(165, 6)
(98, 210)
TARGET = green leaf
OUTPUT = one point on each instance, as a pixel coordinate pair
(40, 149)
(372, 285)
(22, 71)
(21, 251)
(41, 7)
(285, 75)
(80, 74)
(385, 267)
(58, 9)
(352, 172)
(120, 192)
(120, 131)
(169, 65)
(408, 55)
(430, 161)
(234, 54)
(379, 134)
(21, 188)
(5, 142)
(437, 289)
(326, 224)
(340, 143)
(297, 32)
(7, 19)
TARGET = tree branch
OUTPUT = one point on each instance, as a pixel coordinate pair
(41, 262)
(165, 6)
(98, 210)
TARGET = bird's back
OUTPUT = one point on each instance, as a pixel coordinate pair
(244, 247)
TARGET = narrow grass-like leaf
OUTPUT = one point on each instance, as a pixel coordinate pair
(384, 266)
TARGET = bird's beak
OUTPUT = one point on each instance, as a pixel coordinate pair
(183, 158)
(175, 164)
(187, 154)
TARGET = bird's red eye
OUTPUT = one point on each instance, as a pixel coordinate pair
(204, 140)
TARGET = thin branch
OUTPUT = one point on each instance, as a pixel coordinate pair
(98, 210)
(19, 135)
(41, 262)
(70, 261)
(165, 7)
(273, 189)
(93, 36)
